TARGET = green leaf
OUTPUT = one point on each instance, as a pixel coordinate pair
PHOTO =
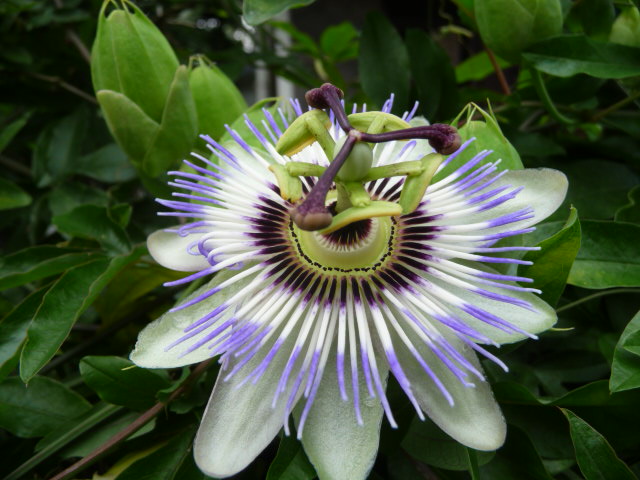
(10, 131)
(12, 196)
(340, 42)
(35, 263)
(94, 223)
(433, 75)
(72, 194)
(625, 369)
(424, 441)
(609, 186)
(58, 147)
(517, 459)
(608, 256)
(13, 329)
(568, 55)
(36, 409)
(383, 63)
(107, 164)
(65, 301)
(596, 459)
(290, 463)
(596, 17)
(477, 67)
(630, 213)
(552, 263)
(118, 381)
(509, 26)
(256, 12)
(163, 464)
(626, 28)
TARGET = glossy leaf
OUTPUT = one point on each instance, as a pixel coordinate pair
(116, 380)
(256, 12)
(12, 196)
(13, 329)
(424, 441)
(433, 76)
(107, 164)
(94, 223)
(552, 263)
(625, 369)
(596, 458)
(384, 63)
(65, 301)
(34, 410)
(509, 26)
(35, 263)
(608, 257)
(568, 55)
(290, 463)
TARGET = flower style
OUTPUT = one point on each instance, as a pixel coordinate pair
(319, 285)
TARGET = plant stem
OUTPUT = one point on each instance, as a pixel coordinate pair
(136, 425)
(499, 73)
(98, 416)
(616, 106)
(472, 460)
(541, 89)
(593, 296)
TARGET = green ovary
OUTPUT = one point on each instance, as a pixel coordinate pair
(360, 253)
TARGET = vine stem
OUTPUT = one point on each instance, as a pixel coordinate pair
(137, 424)
(499, 73)
(616, 106)
(472, 462)
(596, 295)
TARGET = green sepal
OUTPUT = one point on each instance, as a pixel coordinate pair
(412, 167)
(298, 135)
(415, 185)
(131, 56)
(290, 186)
(384, 122)
(178, 130)
(130, 126)
(376, 208)
(303, 169)
(217, 100)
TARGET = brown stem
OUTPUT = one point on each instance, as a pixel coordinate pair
(616, 106)
(136, 425)
(499, 73)
(67, 86)
(79, 44)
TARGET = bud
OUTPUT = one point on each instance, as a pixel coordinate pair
(131, 56)
(509, 26)
(626, 29)
(218, 101)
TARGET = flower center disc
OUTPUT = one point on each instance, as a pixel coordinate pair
(359, 245)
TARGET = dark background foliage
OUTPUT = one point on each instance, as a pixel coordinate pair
(76, 284)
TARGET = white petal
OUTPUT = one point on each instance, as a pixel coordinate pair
(337, 446)
(150, 350)
(239, 422)
(475, 419)
(543, 318)
(544, 190)
(170, 250)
